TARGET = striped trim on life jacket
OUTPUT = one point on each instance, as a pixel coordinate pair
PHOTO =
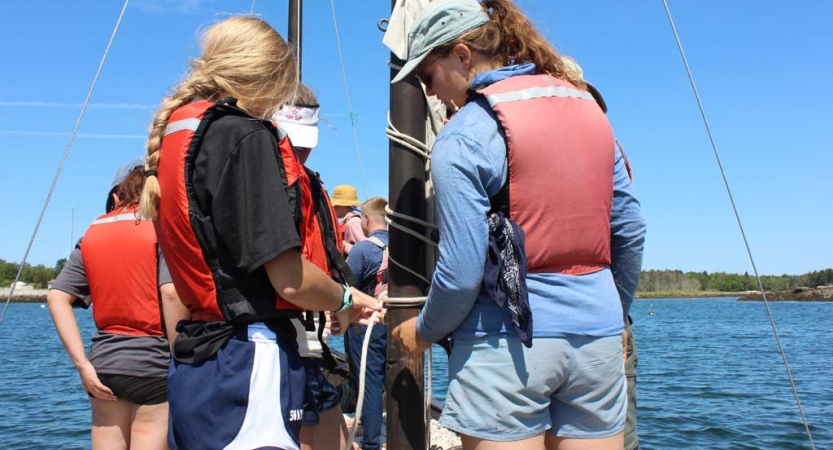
(120, 258)
(560, 184)
(187, 235)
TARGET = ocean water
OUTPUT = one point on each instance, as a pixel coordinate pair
(710, 377)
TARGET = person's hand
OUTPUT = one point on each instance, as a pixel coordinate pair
(625, 346)
(360, 313)
(406, 334)
(89, 378)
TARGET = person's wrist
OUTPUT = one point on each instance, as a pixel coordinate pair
(346, 299)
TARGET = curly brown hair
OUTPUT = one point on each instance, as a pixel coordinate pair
(511, 38)
(129, 191)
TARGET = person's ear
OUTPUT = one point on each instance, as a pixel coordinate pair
(464, 53)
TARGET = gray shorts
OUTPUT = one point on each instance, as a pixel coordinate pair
(499, 390)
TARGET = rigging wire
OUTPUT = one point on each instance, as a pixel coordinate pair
(740, 224)
(349, 103)
(64, 158)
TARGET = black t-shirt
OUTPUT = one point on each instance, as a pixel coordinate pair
(237, 182)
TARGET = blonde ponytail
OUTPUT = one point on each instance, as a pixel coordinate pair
(242, 57)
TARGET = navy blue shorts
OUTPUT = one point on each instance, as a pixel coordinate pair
(249, 395)
(321, 396)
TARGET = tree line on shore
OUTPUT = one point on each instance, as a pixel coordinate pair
(37, 276)
(677, 280)
(651, 281)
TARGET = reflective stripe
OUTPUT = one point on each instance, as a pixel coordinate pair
(180, 125)
(537, 92)
(118, 218)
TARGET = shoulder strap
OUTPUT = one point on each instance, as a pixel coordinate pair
(159, 293)
(377, 242)
(625, 157)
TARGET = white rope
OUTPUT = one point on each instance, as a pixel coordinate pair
(740, 224)
(63, 159)
(411, 232)
(409, 142)
(401, 301)
(252, 10)
(427, 406)
(347, 94)
(393, 213)
(362, 370)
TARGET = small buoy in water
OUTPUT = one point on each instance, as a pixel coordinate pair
(43, 306)
(652, 313)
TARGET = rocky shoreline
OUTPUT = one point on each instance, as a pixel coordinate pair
(25, 295)
(818, 294)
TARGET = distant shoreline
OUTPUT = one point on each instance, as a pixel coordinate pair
(821, 294)
(25, 295)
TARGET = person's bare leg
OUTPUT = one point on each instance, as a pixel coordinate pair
(149, 430)
(615, 442)
(473, 443)
(330, 434)
(111, 424)
(307, 437)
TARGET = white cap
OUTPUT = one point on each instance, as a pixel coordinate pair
(300, 123)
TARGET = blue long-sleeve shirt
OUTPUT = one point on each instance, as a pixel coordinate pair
(468, 167)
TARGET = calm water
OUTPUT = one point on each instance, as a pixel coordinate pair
(710, 377)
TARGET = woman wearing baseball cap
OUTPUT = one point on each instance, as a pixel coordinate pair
(538, 221)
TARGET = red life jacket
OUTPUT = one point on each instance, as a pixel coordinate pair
(322, 246)
(187, 235)
(560, 184)
(330, 235)
(319, 227)
(121, 262)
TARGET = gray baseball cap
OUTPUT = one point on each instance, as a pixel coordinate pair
(121, 175)
(440, 23)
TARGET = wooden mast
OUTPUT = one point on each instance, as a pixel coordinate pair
(405, 375)
(295, 30)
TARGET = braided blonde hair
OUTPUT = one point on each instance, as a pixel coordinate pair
(242, 57)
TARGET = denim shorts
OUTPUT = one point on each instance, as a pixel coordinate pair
(499, 390)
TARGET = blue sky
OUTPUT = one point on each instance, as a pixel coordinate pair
(762, 68)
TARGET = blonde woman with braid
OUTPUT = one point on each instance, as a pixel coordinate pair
(228, 218)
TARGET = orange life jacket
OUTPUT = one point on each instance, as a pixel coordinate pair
(560, 184)
(187, 235)
(120, 258)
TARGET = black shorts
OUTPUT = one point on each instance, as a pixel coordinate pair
(137, 390)
(320, 395)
